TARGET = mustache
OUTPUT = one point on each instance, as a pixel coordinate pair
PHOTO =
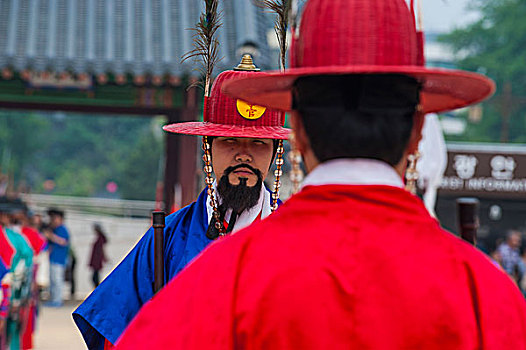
(231, 169)
(239, 197)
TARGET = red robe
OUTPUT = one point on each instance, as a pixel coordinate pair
(337, 267)
(34, 239)
(37, 242)
(7, 251)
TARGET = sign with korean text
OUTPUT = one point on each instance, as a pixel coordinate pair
(485, 173)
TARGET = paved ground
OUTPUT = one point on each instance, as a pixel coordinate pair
(56, 330)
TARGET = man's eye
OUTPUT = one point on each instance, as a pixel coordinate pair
(259, 142)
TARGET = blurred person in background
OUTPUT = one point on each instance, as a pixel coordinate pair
(97, 257)
(58, 243)
(42, 260)
(522, 284)
(35, 221)
(21, 219)
(509, 252)
(70, 275)
(7, 253)
(16, 284)
(496, 258)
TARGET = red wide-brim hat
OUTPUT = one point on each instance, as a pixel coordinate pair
(213, 129)
(229, 117)
(339, 37)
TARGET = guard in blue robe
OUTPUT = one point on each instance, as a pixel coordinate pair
(110, 308)
(104, 315)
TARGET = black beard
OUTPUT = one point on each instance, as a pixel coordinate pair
(239, 197)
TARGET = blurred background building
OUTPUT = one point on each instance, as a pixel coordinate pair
(121, 57)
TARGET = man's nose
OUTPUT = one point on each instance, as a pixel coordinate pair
(243, 157)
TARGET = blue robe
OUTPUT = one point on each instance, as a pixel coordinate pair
(3, 269)
(113, 304)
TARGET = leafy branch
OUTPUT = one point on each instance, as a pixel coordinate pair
(282, 10)
(206, 45)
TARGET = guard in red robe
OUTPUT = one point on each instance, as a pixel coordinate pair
(353, 261)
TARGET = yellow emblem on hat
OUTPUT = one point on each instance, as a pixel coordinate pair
(249, 111)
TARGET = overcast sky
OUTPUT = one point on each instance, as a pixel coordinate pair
(445, 15)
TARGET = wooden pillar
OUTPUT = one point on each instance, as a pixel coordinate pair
(170, 166)
(180, 167)
(188, 150)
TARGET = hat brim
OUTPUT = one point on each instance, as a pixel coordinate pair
(442, 89)
(213, 129)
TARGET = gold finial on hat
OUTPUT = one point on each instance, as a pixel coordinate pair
(247, 64)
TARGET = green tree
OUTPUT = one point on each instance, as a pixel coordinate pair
(496, 46)
(141, 167)
(73, 180)
(88, 151)
(22, 134)
(81, 153)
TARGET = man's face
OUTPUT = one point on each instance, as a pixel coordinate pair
(19, 217)
(515, 240)
(4, 219)
(56, 220)
(36, 220)
(234, 151)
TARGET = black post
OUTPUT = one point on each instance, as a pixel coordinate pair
(158, 234)
(468, 218)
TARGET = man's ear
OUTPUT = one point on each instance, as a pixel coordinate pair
(301, 140)
(416, 132)
(302, 143)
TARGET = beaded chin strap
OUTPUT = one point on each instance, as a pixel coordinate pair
(296, 174)
(411, 174)
(277, 173)
(209, 180)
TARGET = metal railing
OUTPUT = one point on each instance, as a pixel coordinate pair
(117, 207)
